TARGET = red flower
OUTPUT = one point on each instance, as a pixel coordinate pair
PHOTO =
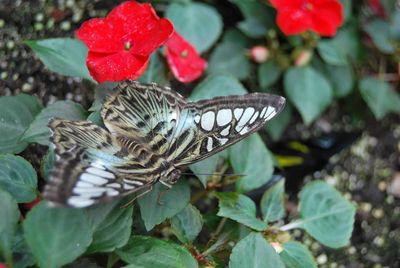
(297, 16)
(120, 44)
(183, 59)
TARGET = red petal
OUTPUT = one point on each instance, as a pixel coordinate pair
(297, 16)
(130, 22)
(183, 59)
(116, 67)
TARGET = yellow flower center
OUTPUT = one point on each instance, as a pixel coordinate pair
(184, 54)
(127, 45)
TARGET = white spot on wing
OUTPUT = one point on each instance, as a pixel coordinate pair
(223, 140)
(128, 187)
(207, 120)
(112, 192)
(97, 165)
(93, 179)
(93, 190)
(238, 112)
(77, 201)
(209, 144)
(197, 118)
(83, 184)
(224, 117)
(263, 112)
(100, 173)
(225, 131)
(244, 131)
(114, 185)
(270, 114)
(245, 118)
(254, 118)
(134, 182)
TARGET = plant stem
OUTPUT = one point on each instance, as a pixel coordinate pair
(290, 226)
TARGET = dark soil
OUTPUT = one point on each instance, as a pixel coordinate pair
(364, 172)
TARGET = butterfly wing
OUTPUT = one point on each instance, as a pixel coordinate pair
(146, 113)
(209, 126)
(92, 166)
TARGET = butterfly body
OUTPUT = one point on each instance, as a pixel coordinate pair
(150, 134)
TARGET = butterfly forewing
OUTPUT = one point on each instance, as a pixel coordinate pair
(91, 166)
(210, 126)
(145, 113)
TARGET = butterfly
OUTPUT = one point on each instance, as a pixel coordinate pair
(151, 133)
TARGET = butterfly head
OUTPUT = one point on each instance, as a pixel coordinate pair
(169, 173)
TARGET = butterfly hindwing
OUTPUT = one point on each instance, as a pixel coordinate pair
(212, 125)
(91, 166)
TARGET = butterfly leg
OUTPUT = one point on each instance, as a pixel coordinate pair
(136, 197)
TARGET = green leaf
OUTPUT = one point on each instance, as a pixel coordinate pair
(379, 96)
(187, 224)
(341, 78)
(112, 227)
(379, 31)
(229, 57)
(330, 53)
(149, 252)
(217, 85)
(38, 130)
(251, 158)
(47, 163)
(309, 91)
(65, 56)
(208, 166)
(253, 251)
(277, 126)
(22, 255)
(162, 203)
(18, 177)
(258, 18)
(8, 223)
(239, 208)
(16, 113)
(57, 236)
(324, 208)
(155, 71)
(296, 255)
(272, 202)
(199, 23)
(268, 74)
(347, 40)
(185, 256)
(100, 93)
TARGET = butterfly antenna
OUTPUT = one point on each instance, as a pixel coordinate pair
(216, 174)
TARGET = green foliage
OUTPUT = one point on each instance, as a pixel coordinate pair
(187, 224)
(57, 236)
(148, 252)
(229, 57)
(65, 56)
(379, 96)
(200, 24)
(16, 113)
(8, 224)
(39, 132)
(323, 208)
(253, 251)
(239, 208)
(155, 72)
(309, 92)
(272, 202)
(257, 172)
(268, 73)
(18, 177)
(162, 203)
(112, 225)
(296, 255)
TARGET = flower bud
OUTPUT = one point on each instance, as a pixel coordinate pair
(277, 246)
(303, 57)
(259, 54)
